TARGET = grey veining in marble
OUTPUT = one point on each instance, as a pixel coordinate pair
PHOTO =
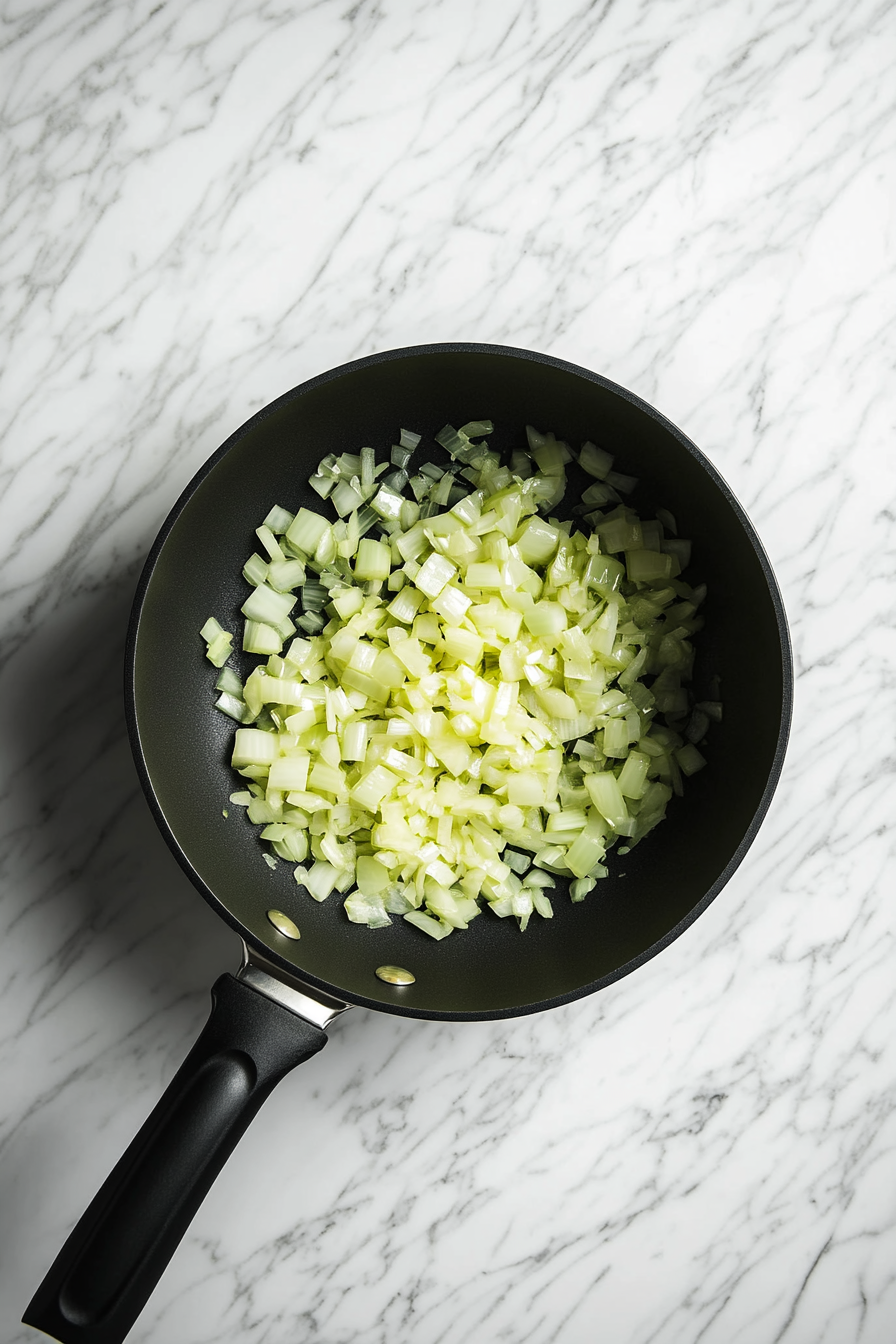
(203, 205)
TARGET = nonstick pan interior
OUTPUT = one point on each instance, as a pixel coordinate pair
(182, 744)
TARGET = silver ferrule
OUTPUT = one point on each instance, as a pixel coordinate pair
(311, 1004)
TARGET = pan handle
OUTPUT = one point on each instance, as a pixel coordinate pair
(114, 1258)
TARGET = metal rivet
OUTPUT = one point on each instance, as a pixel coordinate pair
(395, 975)
(283, 924)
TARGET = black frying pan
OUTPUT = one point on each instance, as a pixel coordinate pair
(271, 1015)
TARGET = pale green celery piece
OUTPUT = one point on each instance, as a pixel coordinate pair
(294, 845)
(231, 705)
(566, 823)
(252, 746)
(279, 520)
(406, 604)
(620, 534)
(387, 503)
(689, 759)
(427, 924)
(229, 681)
(324, 485)
(615, 738)
(255, 570)
(484, 575)
(441, 903)
(451, 440)
(270, 543)
(261, 638)
(635, 669)
(680, 549)
(285, 629)
(645, 566)
(468, 509)
(633, 775)
(604, 574)
(451, 604)
(220, 649)
(641, 698)
(260, 811)
(268, 607)
(284, 575)
(396, 481)
(413, 543)
(410, 512)
(652, 535)
(607, 797)
(373, 560)
(551, 456)
(553, 857)
(697, 727)
(476, 429)
(345, 499)
(368, 465)
(435, 572)
(396, 901)
(400, 456)
(538, 541)
(373, 787)
(587, 849)
(211, 630)
(321, 879)
(306, 531)
(347, 602)
(348, 465)
(372, 878)
(518, 862)
(537, 878)
(289, 773)
(522, 902)
(367, 909)
(441, 491)
(545, 618)
(596, 461)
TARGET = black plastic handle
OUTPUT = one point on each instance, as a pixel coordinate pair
(110, 1264)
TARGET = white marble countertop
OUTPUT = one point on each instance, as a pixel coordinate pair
(204, 205)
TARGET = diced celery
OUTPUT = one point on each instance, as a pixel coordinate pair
(220, 649)
(373, 560)
(427, 924)
(435, 572)
(537, 542)
(307, 530)
(606, 795)
(471, 681)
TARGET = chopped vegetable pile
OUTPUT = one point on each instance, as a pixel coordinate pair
(473, 699)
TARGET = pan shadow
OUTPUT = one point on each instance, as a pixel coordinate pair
(111, 928)
(97, 851)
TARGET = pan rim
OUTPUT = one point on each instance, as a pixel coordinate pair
(271, 954)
